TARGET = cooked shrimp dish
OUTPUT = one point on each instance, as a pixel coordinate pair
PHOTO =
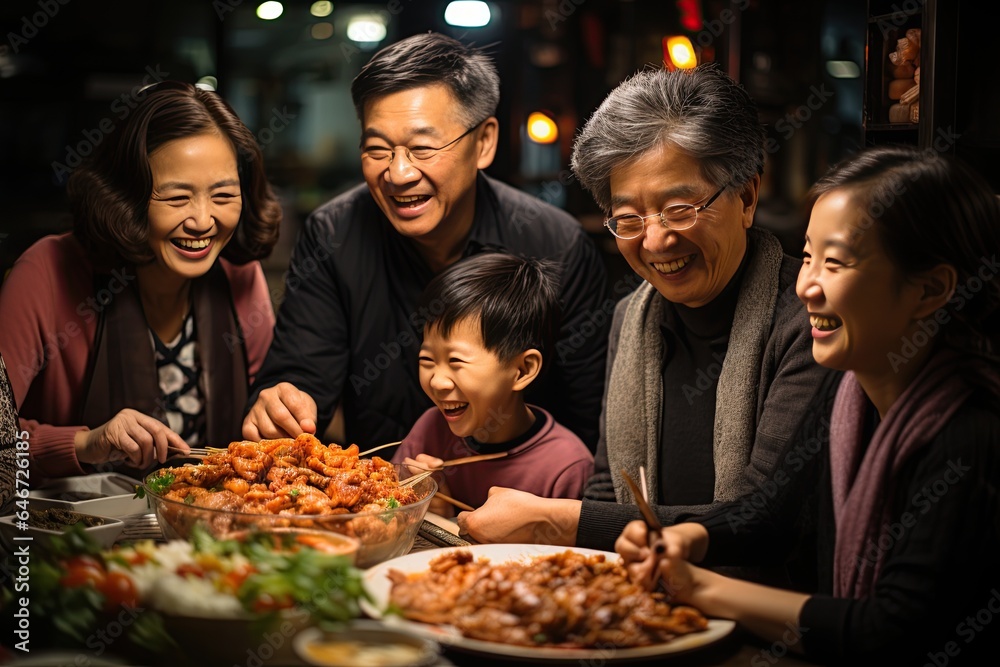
(285, 476)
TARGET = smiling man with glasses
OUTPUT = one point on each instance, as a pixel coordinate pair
(709, 362)
(349, 330)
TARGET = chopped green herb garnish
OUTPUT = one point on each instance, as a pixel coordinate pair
(189, 500)
(392, 503)
(161, 484)
(294, 493)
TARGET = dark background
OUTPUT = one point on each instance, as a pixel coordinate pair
(67, 72)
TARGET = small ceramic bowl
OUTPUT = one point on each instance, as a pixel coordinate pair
(104, 534)
(365, 644)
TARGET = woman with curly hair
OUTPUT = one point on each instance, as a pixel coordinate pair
(141, 330)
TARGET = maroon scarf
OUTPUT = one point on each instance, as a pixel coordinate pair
(863, 484)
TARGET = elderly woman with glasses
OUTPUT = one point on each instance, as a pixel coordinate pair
(141, 330)
(709, 364)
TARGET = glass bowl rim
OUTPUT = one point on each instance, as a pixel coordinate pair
(340, 516)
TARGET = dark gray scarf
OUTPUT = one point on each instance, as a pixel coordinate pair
(635, 390)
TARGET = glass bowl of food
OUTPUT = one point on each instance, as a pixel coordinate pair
(276, 485)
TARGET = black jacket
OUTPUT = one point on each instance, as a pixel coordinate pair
(348, 329)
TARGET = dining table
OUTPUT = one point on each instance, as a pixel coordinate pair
(739, 648)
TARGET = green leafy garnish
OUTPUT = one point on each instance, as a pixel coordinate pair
(392, 503)
(161, 483)
(189, 500)
(294, 493)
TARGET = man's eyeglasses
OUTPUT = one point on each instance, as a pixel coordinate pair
(676, 216)
(415, 154)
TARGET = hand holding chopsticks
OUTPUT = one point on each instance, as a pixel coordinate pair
(653, 525)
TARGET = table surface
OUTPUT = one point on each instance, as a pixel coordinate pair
(739, 648)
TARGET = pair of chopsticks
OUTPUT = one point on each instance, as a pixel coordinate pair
(195, 452)
(202, 452)
(453, 462)
(653, 525)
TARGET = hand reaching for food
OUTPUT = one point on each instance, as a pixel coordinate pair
(512, 516)
(129, 436)
(281, 411)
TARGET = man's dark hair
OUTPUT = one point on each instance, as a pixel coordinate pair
(429, 59)
(515, 300)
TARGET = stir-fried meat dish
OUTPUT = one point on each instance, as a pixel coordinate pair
(286, 476)
(565, 599)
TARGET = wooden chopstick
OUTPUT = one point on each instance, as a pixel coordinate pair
(457, 503)
(375, 449)
(474, 459)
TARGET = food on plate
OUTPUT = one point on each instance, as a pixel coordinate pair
(58, 519)
(285, 476)
(565, 599)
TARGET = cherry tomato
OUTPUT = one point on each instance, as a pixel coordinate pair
(118, 589)
(189, 569)
(232, 581)
(138, 558)
(83, 570)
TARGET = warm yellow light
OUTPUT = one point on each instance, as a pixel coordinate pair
(322, 30)
(269, 10)
(321, 8)
(681, 52)
(541, 128)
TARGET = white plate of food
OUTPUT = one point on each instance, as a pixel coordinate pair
(458, 609)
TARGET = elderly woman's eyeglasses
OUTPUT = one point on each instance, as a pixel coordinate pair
(415, 154)
(676, 216)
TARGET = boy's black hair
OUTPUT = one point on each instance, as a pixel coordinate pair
(516, 301)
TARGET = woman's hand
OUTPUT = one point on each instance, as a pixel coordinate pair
(281, 411)
(684, 542)
(129, 436)
(513, 516)
(423, 463)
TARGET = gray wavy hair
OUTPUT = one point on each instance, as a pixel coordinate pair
(700, 111)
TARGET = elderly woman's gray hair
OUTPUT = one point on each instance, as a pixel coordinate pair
(700, 111)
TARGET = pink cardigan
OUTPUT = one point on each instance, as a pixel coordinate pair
(48, 320)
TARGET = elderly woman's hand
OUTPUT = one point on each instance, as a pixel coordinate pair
(281, 411)
(129, 436)
(513, 516)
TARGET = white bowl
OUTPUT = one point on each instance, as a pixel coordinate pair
(104, 535)
(365, 644)
(101, 494)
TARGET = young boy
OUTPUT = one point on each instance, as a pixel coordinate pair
(492, 318)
